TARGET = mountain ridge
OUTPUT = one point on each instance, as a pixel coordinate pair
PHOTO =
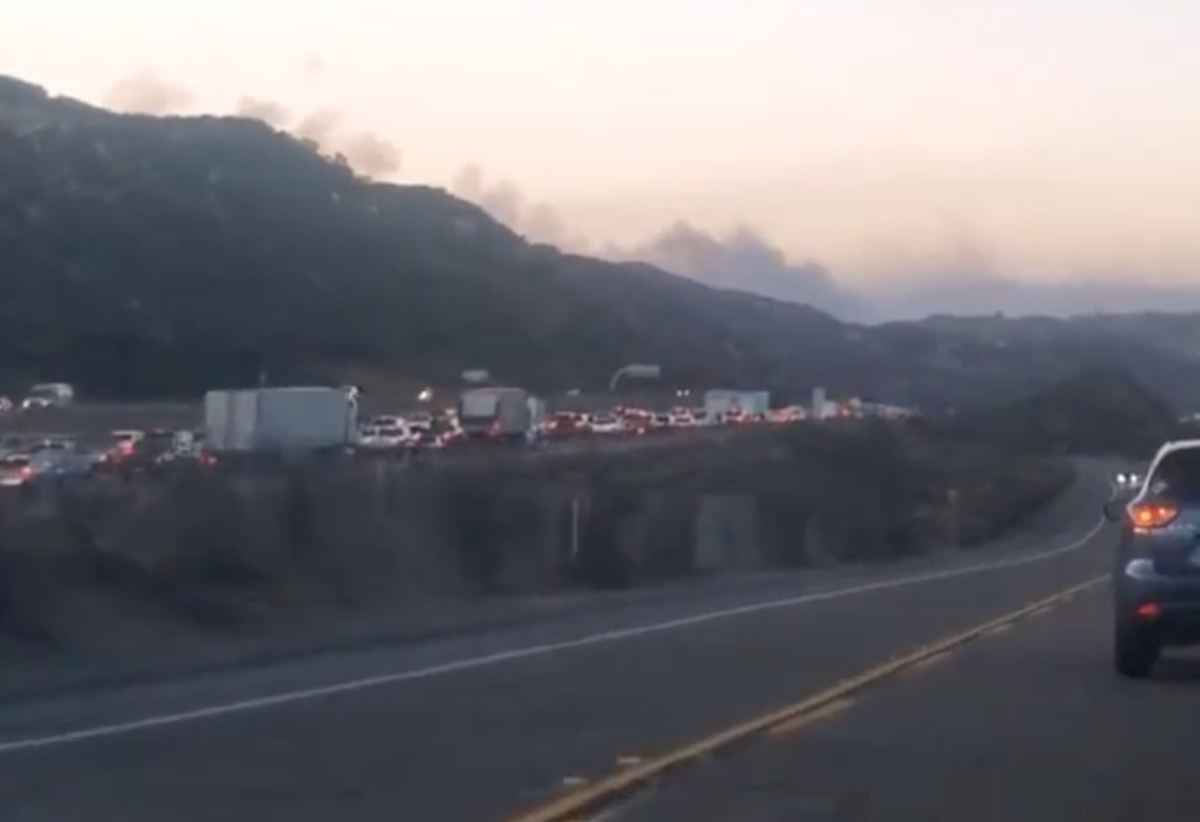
(156, 256)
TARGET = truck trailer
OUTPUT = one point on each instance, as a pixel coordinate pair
(498, 414)
(280, 420)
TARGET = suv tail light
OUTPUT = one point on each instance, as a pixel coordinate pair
(1152, 514)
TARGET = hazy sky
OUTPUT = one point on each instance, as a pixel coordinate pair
(1046, 137)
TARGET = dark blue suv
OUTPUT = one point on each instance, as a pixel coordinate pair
(1156, 578)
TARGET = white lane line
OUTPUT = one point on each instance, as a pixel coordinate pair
(259, 703)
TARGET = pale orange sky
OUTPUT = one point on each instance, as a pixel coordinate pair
(1053, 136)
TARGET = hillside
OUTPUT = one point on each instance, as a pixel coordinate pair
(1161, 349)
(1094, 411)
(148, 256)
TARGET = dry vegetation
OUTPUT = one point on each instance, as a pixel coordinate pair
(107, 565)
(1093, 411)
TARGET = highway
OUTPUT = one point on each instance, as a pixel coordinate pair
(533, 722)
(1027, 724)
(92, 426)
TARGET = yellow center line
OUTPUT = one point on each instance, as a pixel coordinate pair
(928, 662)
(812, 717)
(603, 792)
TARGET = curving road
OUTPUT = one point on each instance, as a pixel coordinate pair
(494, 725)
(1028, 724)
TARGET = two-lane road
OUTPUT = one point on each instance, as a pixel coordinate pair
(1025, 725)
(484, 726)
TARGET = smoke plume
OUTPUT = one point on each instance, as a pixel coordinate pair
(272, 113)
(507, 204)
(365, 151)
(965, 281)
(741, 259)
(146, 91)
(746, 260)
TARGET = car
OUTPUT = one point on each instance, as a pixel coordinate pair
(16, 470)
(1156, 573)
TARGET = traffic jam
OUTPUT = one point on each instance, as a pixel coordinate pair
(511, 415)
(300, 420)
(26, 462)
(129, 453)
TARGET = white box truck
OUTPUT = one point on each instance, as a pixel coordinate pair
(722, 404)
(497, 413)
(291, 420)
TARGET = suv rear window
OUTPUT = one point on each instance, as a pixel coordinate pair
(1178, 476)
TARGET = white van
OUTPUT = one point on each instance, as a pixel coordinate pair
(49, 394)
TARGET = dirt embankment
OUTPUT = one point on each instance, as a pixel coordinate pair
(111, 568)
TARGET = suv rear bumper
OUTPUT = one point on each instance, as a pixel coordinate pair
(1174, 603)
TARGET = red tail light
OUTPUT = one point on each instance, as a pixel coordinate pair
(1152, 514)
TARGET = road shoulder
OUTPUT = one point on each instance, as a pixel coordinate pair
(1063, 521)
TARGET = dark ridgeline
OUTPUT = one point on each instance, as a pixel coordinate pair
(151, 257)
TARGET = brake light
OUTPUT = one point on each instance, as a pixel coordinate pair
(1152, 514)
(1147, 610)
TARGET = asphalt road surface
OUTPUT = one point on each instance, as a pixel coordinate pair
(493, 725)
(1025, 725)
